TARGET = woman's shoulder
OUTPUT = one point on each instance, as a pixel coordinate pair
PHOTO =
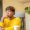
(18, 18)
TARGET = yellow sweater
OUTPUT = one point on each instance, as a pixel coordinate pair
(9, 24)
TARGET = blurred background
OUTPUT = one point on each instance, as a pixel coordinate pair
(0, 9)
(21, 10)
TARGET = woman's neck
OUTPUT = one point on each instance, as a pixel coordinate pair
(10, 18)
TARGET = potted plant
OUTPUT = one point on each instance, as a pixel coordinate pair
(27, 18)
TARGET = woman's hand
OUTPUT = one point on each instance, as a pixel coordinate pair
(1, 28)
(2, 18)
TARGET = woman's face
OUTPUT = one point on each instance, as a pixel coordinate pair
(9, 13)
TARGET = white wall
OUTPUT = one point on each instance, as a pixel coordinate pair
(18, 6)
(27, 20)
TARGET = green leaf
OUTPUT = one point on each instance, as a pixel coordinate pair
(0, 2)
(27, 9)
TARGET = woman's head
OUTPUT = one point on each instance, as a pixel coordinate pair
(10, 11)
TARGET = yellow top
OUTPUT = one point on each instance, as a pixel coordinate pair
(9, 24)
(1, 24)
